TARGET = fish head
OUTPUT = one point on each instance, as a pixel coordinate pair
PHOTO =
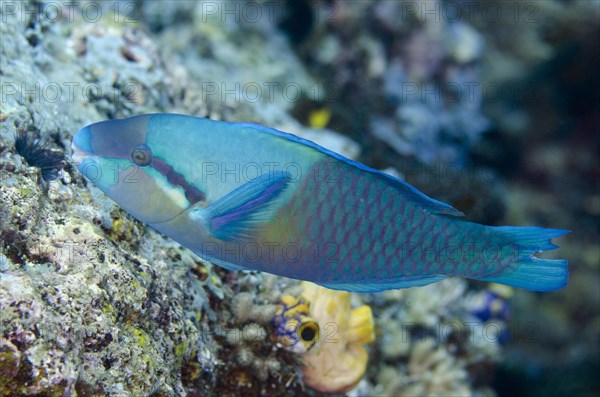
(116, 156)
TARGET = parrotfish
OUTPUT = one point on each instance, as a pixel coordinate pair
(249, 197)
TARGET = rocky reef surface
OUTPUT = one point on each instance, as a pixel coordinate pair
(94, 303)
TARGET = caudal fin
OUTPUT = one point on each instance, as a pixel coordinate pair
(533, 273)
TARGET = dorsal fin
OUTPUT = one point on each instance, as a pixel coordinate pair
(430, 205)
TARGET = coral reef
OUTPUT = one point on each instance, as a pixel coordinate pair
(94, 303)
(250, 359)
(422, 68)
(432, 371)
(430, 344)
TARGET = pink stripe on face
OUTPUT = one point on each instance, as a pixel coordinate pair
(192, 194)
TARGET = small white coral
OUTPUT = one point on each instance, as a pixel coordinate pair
(425, 305)
(245, 357)
(242, 306)
(254, 332)
(263, 313)
(245, 309)
(435, 372)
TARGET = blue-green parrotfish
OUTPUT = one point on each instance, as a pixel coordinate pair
(249, 197)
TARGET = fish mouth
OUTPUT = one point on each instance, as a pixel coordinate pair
(81, 145)
(78, 155)
(82, 158)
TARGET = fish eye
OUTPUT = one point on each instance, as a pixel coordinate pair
(309, 331)
(141, 155)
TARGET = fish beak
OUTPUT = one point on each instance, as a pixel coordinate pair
(78, 155)
(81, 145)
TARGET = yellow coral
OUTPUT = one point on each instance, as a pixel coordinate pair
(339, 360)
(501, 290)
(319, 118)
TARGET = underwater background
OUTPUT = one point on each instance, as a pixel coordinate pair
(491, 106)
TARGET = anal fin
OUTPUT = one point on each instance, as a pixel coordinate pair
(405, 282)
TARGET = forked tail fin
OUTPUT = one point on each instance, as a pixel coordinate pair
(533, 273)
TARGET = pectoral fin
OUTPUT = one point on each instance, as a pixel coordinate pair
(236, 215)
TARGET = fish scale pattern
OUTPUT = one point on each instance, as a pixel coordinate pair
(356, 225)
(360, 225)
